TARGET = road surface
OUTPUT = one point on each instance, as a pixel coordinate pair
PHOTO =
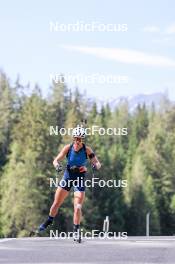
(133, 250)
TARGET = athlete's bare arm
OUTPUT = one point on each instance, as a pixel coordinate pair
(93, 158)
(61, 155)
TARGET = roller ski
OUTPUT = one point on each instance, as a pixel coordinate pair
(42, 228)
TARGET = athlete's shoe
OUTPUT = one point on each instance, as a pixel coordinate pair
(45, 225)
(42, 227)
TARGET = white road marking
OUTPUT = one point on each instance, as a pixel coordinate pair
(6, 239)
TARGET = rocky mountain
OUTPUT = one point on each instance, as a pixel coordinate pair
(133, 101)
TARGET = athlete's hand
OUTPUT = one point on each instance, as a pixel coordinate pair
(58, 167)
(96, 166)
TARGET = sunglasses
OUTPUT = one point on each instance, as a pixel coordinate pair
(78, 139)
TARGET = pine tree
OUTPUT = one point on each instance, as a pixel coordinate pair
(6, 117)
(25, 176)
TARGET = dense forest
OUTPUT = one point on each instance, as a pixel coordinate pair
(145, 157)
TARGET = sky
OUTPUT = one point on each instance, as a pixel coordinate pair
(138, 50)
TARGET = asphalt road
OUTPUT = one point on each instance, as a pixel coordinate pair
(133, 250)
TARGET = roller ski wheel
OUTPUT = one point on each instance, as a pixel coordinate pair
(34, 233)
(78, 240)
(40, 231)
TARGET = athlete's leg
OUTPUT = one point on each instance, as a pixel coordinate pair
(79, 197)
(60, 196)
(78, 202)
